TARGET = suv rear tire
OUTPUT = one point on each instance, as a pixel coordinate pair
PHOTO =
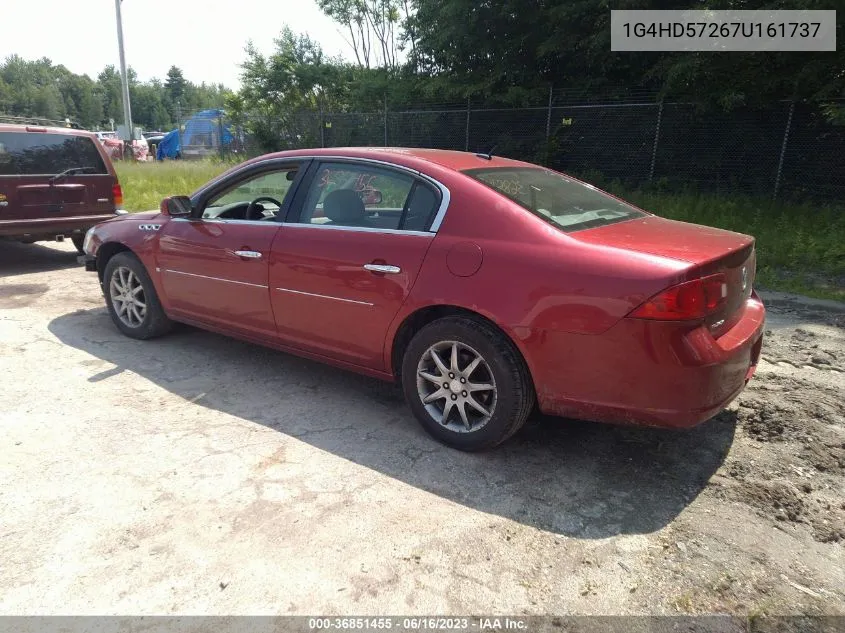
(466, 383)
(132, 300)
(78, 240)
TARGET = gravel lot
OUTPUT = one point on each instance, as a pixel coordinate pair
(197, 474)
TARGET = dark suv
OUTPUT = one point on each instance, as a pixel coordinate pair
(54, 183)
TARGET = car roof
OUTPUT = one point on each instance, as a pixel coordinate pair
(414, 157)
(42, 129)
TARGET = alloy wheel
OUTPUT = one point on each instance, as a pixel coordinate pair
(456, 386)
(127, 296)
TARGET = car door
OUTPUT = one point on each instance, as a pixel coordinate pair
(343, 265)
(214, 264)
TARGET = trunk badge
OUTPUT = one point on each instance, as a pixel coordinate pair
(744, 278)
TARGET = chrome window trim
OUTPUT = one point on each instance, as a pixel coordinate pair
(445, 194)
(334, 227)
(229, 281)
(445, 198)
(358, 229)
(272, 223)
(314, 294)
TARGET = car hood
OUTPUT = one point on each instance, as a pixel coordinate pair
(134, 217)
(144, 215)
(668, 238)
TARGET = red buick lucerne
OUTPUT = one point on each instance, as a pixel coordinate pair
(487, 286)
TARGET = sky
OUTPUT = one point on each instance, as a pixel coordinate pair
(205, 38)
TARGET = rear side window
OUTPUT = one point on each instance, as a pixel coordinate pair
(368, 196)
(420, 208)
(568, 204)
(33, 153)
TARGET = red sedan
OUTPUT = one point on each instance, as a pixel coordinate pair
(485, 285)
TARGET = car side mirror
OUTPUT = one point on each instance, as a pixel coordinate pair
(176, 206)
(371, 196)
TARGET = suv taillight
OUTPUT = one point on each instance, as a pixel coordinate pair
(694, 299)
(117, 195)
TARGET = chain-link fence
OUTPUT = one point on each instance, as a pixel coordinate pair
(784, 150)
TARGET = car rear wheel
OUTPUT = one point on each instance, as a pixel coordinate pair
(132, 300)
(466, 383)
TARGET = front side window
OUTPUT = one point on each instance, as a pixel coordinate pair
(257, 198)
(35, 153)
(367, 196)
(564, 202)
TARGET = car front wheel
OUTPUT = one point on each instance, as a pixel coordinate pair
(466, 383)
(132, 300)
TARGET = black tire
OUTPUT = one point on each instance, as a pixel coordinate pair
(514, 389)
(77, 242)
(155, 322)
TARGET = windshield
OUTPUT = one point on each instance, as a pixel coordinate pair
(564, 202)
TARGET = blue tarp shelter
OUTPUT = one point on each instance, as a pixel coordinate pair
(169, 147)
(204, 128)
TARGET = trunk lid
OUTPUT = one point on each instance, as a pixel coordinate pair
(708, 250)
(668, 238)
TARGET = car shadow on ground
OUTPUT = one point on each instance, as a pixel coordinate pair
(22, 259)
(574, 478)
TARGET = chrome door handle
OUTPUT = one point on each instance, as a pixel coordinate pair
(382, 268)
(248, 254)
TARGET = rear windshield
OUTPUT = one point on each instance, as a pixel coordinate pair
(34, 153)
(568, 204)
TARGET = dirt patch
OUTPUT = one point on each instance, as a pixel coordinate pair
(20, 295)
(780, 499)
(789, 460)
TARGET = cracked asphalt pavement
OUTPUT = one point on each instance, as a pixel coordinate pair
(196, 474)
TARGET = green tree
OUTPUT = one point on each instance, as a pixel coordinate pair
(493, 47)
(109, 88)
(5, 96)
(175, 84)
(278, 87)
(40, 89)
(371, 29)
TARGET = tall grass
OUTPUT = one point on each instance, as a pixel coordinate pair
(145, 184)
(800, 247)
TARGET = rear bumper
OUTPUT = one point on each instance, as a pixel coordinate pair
(48, 228)
(648, 372)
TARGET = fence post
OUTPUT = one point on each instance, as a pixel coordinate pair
(466, 140)
(656, 140)
(220, 136)
(783, 149)
(385, 119)
(549, 116)
(322, 126)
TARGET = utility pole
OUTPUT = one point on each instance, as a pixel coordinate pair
(127, 109)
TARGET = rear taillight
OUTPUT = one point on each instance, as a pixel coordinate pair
(694, 299)
(117, 195)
